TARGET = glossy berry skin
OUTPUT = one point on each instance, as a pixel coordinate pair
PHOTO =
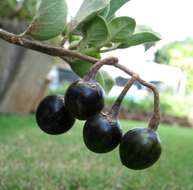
(139, 148)
(101, 134)
(52, 116)
(84, 99)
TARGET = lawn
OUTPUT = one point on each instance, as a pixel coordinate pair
(33, 160)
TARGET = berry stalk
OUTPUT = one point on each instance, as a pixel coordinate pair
(95, 68)
(155, 118)
(116, 106)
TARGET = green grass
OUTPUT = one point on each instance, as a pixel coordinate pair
(32, 160)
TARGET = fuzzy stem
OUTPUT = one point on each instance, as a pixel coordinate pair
(94, 69)
(116, 106)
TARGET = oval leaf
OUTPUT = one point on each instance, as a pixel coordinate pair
(105, 11)
(95, 33)
(88, 10)
(49, 20)
(140, 38)
(121, 28)
(108, 81)
(114, 6)
(143, 34)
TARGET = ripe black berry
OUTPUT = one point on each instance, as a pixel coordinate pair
(139, 148)
(52, 116)
(84, 99)
(101, 134)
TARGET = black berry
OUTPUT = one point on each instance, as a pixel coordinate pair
(84, 99)
(52, 116)
(101, 134)
(140, 148)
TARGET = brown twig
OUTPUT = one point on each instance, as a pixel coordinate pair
(116, 106)
(94, 69)
(155, 119)
(43, 48)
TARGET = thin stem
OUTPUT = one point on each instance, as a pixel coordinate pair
(43, 48)
(63, 41)
(65, 36)
(155, 118)
(94, 69)
(116, 106)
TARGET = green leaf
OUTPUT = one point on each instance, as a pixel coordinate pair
(29, 8)
(12, 3)
(82, 67)
(95, 33)
(143, 28)
(88, 10)
(49, 20)
(143, 34)
(108, 81)
(105, 11)
(114, 6)
(7, 8)
(121, 28)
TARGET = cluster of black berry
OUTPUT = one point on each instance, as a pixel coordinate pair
(84, 100)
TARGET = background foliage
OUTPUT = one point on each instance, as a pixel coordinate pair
(179, 54)
(24, 9)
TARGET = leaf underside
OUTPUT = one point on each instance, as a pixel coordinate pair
(140, 38)
(49, 20)
(121, 28)
(114, 6)
(88, 10)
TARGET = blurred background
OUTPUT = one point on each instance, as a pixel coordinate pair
(30, 159)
